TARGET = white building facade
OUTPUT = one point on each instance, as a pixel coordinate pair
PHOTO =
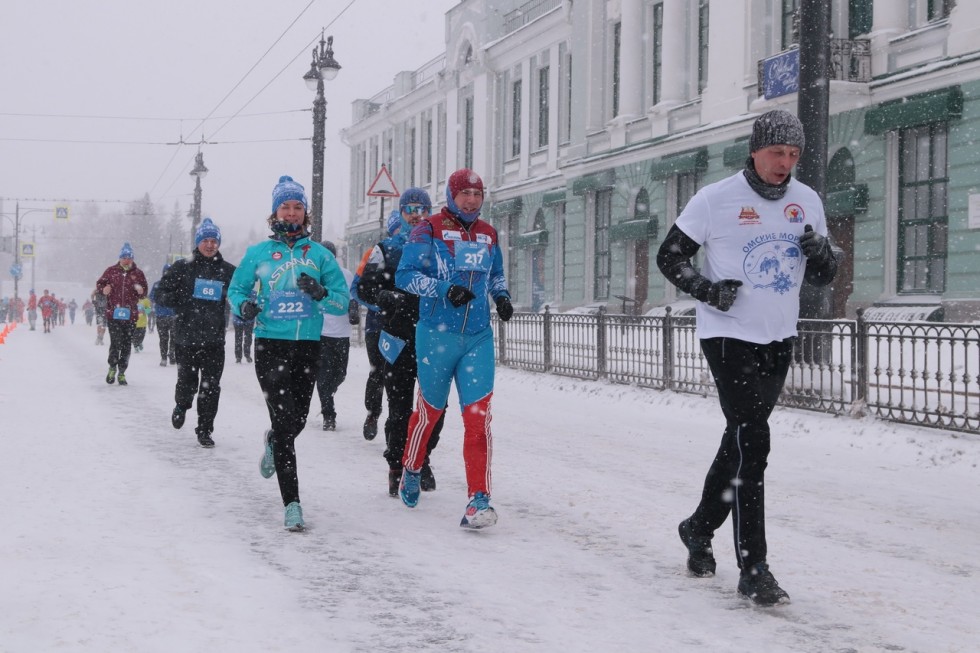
(592, 122)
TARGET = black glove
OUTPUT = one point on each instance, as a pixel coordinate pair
(459, 295)
(353, 312)
(504, 308)
(721, 294)
(249, 309)
(815, 246)
(311, 287)
(389, 300)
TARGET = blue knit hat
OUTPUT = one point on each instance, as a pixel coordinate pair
(286, 190)
(126, 251)
(394, 221)
(207, 229)
(415, 196)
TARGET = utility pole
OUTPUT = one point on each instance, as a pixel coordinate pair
(813, 110)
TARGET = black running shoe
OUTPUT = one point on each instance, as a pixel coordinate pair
(370, 427)
(204, 439)
(329, 423)
(700, 557)
(394, 479)
(428, 480)
(177, 419)
(758, 584)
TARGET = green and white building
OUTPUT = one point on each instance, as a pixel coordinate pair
(592, 122)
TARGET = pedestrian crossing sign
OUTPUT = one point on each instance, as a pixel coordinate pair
(61, 213)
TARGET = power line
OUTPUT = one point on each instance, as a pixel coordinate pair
(141, 118)
(181, 142)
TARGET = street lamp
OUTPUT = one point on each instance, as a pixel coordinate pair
(324, 67)
(199, 172)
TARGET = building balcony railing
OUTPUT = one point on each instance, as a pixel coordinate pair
(527, 12)
(850, 61)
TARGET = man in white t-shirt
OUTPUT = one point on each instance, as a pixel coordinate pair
(763, 234)
(334, 353)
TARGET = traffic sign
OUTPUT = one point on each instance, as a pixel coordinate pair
(16, 271)
(27, 250)
(383, 185)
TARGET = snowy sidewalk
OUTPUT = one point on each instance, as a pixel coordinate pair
(121, 534)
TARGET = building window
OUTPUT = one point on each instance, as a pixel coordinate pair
(790, 22)
(564, 94)
(388, 155)
(515, 118)
(427, 148)
(513, 227)
(559, 222)
(543, 85)
(603, 255)
(468, 132)
(939, 9)
(656, 68)
(442, 141)
(616, 42)
(922, 209)
(411, 155)
(687, 186)
(702, 45)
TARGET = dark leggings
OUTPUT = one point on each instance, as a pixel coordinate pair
(399, 380)
(287, 370)
(749, 378)
(120, 343)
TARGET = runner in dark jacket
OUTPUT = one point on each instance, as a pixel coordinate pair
(197, 289)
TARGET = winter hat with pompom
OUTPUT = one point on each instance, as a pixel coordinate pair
(207, 230)
(126, 251)
(286, 190)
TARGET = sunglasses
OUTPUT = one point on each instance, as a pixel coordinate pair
(418, 210)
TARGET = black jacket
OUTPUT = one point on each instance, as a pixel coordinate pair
(198, 290)
(399, 310)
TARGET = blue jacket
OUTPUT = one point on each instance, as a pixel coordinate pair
(443, 251)
(276, 267)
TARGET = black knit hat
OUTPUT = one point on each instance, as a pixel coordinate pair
(776, 127)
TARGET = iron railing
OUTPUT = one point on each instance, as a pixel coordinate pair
(921, 373)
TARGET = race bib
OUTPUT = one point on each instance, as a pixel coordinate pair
(288, 305)
(390, 346)
(472, 257)
(120, 313)
(209, 289)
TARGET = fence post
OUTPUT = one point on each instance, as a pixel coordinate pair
(668, 349)
(861, 345)
(547, 338)
(502, 341)
(600, 342)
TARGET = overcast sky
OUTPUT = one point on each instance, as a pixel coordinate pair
(92, 92)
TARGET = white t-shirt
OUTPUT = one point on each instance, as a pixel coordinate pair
(756, 241)
(338, 326)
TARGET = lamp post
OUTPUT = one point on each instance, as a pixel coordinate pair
(199, 172)
(324, 67)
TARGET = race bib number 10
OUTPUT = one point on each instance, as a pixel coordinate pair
(209, 289)
(472, 257)
(288, 305)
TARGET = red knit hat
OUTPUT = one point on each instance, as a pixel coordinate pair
(463, 179)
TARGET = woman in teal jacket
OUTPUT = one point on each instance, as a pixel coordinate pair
(296, 281)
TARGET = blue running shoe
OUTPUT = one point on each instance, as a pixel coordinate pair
(410, 488)
(479, 513)
(294, 517)
(267, 467)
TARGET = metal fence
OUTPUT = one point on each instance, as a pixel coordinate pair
(921, 373)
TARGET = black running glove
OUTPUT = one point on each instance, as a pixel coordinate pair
(249, 309)
(722, 293)
(389, 300)
(815, 247)
(459, 295)
(504, 308)
(311, 287)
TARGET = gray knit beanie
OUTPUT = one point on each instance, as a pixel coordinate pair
(777, 127)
